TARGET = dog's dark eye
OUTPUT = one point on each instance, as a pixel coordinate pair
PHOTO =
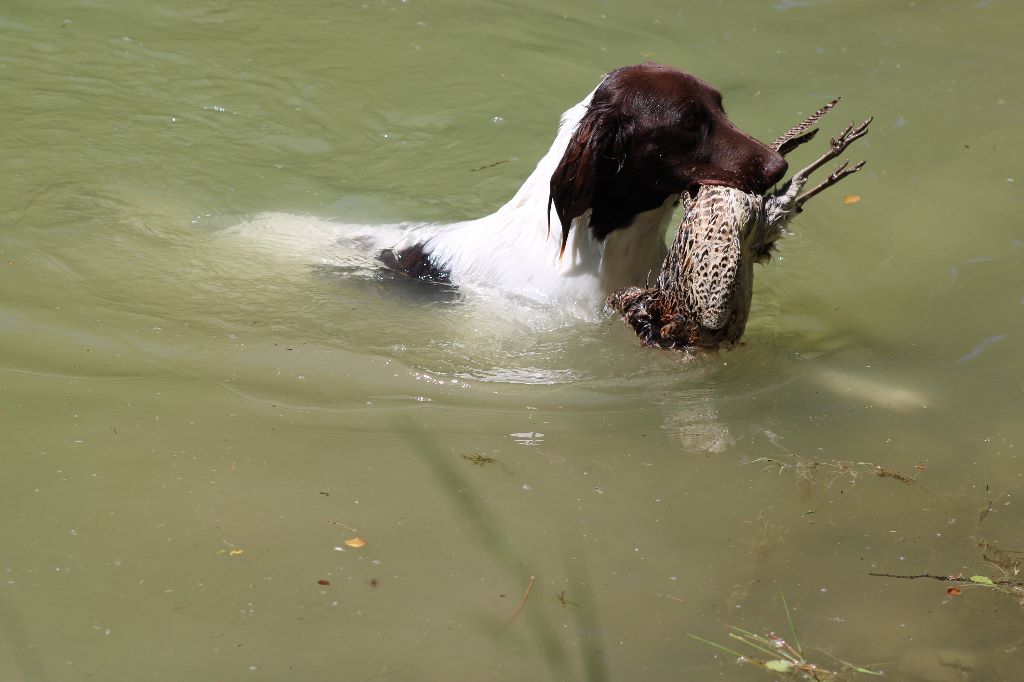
(691, 120)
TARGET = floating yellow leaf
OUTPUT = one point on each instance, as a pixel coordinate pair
(851, 198)
(236, 552)
(355, 543)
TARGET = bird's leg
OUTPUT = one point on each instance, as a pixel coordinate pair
(790, 193)
(835, 176)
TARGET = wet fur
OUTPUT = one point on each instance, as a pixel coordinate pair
(608, 186)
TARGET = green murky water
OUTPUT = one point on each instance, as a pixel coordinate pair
(199, 403)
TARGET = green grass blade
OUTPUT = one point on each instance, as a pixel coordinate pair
(858, 669)
(772, 653)
(717, 645)
(792, 627)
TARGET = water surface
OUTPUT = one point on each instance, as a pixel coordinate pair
(203, 395)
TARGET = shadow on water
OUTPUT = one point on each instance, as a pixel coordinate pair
(488, 529)
(389, 283)
(21, 643)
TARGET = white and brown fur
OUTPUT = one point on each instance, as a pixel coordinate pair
(591, 218)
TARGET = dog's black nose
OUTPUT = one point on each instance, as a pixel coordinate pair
(775, 168)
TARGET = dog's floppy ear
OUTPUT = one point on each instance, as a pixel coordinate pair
(595, 153)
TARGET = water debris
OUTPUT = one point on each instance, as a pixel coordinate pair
(882, 472)
(781, 656)
(769, 537)
(342, 525)
(851, 199)
(479, 459)
(1010, 587)
(231, 550)
(816, 478)
(930, 576)
(1009, 561)
(522, 602)
(564, 600)
(355, 543)
(984, 513)
(807, 470)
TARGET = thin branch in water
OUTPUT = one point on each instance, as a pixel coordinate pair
(946, 578)
(333, 522)
(522, 602)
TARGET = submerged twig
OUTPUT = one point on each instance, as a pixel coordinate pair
(522, 602)
(335, 522)
(931, 576)
(1012, 588)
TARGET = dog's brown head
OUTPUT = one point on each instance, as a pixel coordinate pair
(651, 131)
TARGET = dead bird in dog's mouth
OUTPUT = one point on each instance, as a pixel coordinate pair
(703, 292)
